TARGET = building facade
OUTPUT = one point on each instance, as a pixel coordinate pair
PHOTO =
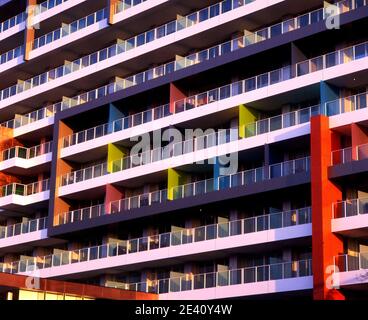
(189, 149)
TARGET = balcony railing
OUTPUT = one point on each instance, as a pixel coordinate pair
(258, 82)
(117, 125)
(279, 271)
(12, 54)
(170, 239)
(282, 121)
(346, 262)
(27, 153)
(123, 5)
(47, 5)
(24, 189)
(13, 21)
(350, 208)
(69, 29)
(23, 228)
(189, 190)
(124, 46)
(350, 154)
(33, 116)
(189, 146)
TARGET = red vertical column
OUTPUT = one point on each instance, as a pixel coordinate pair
(325, 244)
(175, 95)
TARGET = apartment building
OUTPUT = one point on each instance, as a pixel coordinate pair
(102, 185)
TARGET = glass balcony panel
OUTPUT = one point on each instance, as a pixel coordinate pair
(223, 278)
(276, 271)
(176, 238)
(250, 275)
(224, 230)
(133, 246)
(211, 232)
(200, 234)
(262, 223)
(276, 221)
(210, 280)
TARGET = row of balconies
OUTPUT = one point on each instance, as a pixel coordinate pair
(120, 48)
(245, 178)
(238, 233)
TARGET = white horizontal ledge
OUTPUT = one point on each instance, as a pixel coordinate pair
(24, 200)
(242, 290)
(23, 238)
(26, 163)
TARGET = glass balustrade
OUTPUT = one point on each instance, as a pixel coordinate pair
(350, 208)
(121, 6)
(171, 151)
(233, 89)
(12, 54)
(82, 214)
(37, 115)
(188, 190)
(70, 28)
(348, 262)
(23, 228)
(271, 272)
(24, 189)
(176, 238)
(13, 21)
(349, 154)
(47, 5)
(27, 153)
(260, 127)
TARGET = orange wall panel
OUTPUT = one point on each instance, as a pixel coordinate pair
(325, 244)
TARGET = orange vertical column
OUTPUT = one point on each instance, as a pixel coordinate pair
(325, 244)
(30, 29)
(175, 95)
(359, 136)
(62, 167)
(111, 5)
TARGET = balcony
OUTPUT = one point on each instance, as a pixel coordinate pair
(257, 280)
(33, 121)
(350, 217)
(13, 25)
(29, 232)
(237, 89)
(69, 29)
(18, 196)
(245, 178)
(18, 159)
(23, 228)
(351, 270)
(11, 58)
(187, 152)
(111, 132)
(294, 225)
(347, 155)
